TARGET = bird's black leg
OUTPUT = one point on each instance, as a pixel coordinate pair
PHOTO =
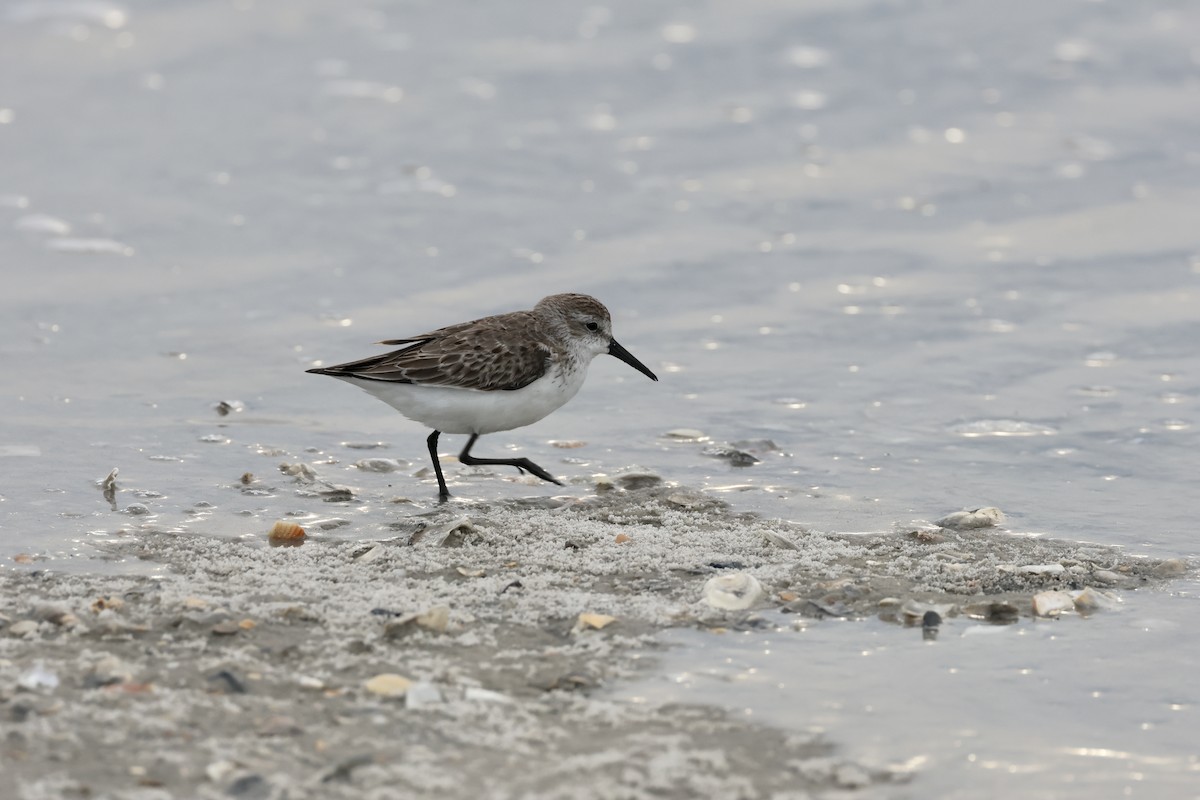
(523, 464)
(443, 492)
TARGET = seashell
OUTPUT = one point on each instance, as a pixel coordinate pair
(388, 684)
(988, 517)
(590, 621)
(1088, 600)
(735, 592)
(1042, 569)
(370, 554)
(1051, 604)
(779, 540)
(436, 619)
(914, 610)
(379, 464)
(284, 531)
(452, 533)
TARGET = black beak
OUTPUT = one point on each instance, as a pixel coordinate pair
(615, 349)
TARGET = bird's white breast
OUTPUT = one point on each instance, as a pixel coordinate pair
(453, 410)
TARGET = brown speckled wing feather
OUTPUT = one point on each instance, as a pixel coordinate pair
(482, 354)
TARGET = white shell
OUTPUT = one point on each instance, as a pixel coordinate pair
(1051, 604)
(1043, 569)
(735, 592)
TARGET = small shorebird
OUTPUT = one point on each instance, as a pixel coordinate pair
(491, 374)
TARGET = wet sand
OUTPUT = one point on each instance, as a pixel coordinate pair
(232, 668)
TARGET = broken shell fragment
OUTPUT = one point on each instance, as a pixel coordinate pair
(436, 619)
(380, 464)
(735, 592)
(284, 531)
(453, 533)
(591, 621)
(988, 517)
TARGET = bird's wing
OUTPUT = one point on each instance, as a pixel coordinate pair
(484, 354)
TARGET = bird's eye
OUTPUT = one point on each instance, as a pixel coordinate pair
(592, 326)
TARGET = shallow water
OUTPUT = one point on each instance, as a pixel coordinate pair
(1043, 708)
(942, 255)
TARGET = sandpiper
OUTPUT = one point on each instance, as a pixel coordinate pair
(491, 374)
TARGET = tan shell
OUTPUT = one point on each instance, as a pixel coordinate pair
(388, 684)
(284, 531)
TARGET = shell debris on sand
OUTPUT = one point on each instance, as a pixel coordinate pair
(506, 637)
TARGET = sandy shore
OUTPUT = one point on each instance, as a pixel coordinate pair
(451, 660)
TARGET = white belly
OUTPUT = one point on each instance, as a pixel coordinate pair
(453, 410)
